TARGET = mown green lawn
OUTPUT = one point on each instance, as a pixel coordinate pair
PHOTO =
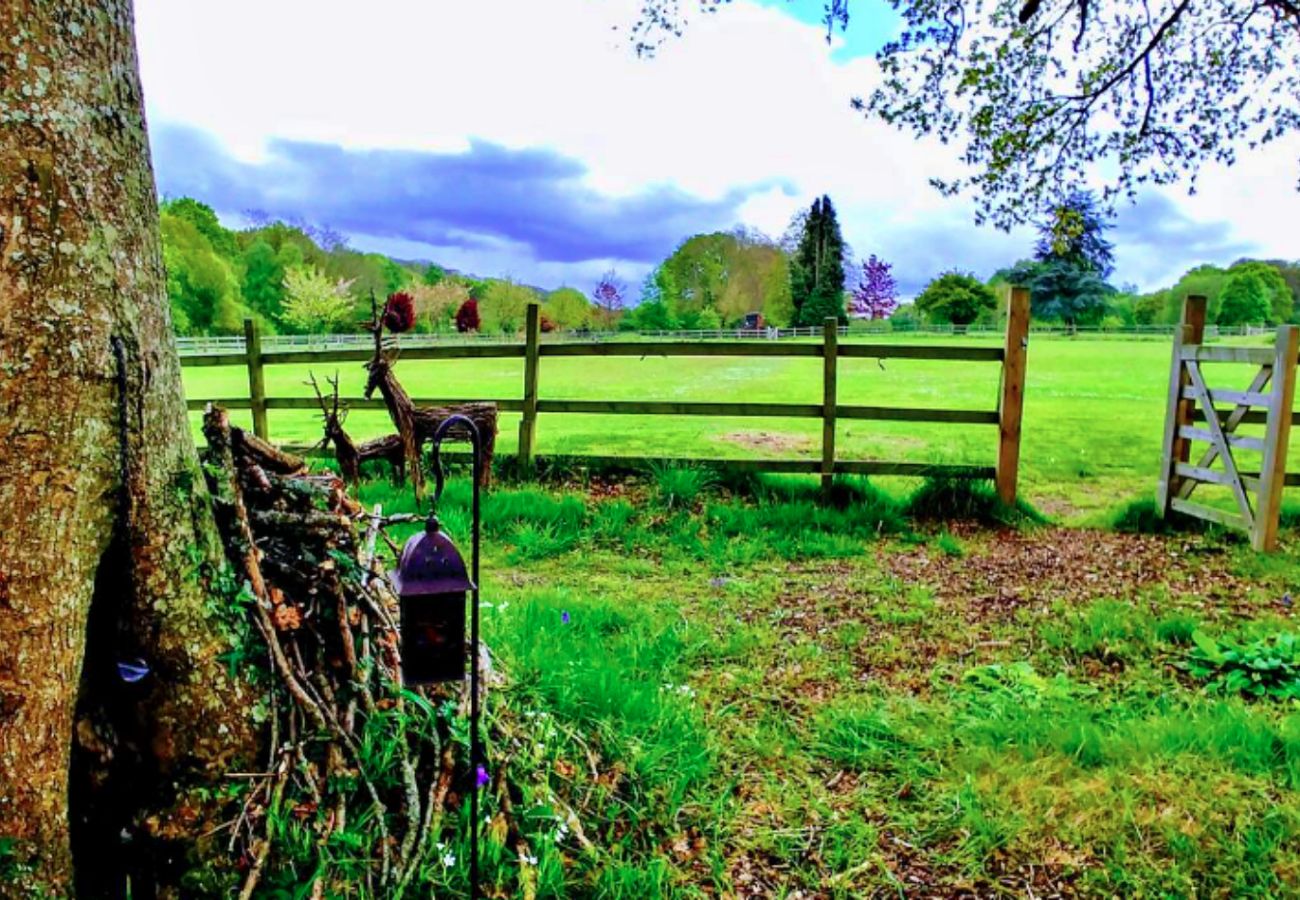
(1094, 409)
(707, 693)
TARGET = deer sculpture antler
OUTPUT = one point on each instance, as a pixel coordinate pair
(332, 413)
(338, 414)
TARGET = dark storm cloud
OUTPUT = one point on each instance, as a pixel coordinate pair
(488, 196)
(1155, 223)
(1155, 242)
(922, 251)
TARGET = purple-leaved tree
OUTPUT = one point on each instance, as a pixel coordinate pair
(608, 296)
(876, 294)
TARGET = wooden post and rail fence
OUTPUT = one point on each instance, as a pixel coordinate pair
(1197, 413)
(1006, 416)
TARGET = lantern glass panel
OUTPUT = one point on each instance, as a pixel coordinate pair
(433, 638)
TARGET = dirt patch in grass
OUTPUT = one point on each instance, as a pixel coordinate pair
(769, 441)
(965, 608)
(1004, 571)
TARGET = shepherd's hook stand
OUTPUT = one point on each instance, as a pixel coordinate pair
(475, 743)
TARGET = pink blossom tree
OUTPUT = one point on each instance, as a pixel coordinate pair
(876, 294)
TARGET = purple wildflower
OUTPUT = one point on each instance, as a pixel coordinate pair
(481, 776)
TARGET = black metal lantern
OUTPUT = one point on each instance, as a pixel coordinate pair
(432, 583)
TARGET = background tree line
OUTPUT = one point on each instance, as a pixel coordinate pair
(1068, 279)
(294, 278)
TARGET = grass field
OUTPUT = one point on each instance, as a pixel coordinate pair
(1094, 409)
(713, 694)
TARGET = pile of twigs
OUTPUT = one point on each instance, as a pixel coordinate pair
(326, 613)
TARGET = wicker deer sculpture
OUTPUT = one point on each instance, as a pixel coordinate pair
(348, 453)
(416, 424)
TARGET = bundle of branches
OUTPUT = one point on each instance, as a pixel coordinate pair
(360, 772)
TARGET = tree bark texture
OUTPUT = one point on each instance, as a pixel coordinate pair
(101, 498)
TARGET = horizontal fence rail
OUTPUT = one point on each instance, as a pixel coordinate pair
(254, 353)
(228, 345)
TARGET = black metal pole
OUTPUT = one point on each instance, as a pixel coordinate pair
(475, 750)
(475, 743)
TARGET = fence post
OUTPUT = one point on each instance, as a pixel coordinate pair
(528, 423)
(1277, 434)
(1178, 412)
(830, 363)
(1011, 398)
(256, 379)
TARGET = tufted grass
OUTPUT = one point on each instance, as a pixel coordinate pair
(733, 694)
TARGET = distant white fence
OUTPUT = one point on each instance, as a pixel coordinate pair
(197, 346)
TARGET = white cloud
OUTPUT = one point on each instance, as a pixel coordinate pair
(748, 96)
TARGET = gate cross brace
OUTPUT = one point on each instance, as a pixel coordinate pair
(1220, 441)
(1230, 424)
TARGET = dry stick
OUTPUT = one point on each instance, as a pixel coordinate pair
(365, 659)
(273, 748)
(385, 660)
(326, 724)
(350, 650)
(527, 873)
(377, 604)
(329, 723)
(399, 519)
(410, 782)
(433, 807)
(277, 520)
(264, 848)
(571, 818)
(368, 544)
(368, 567)
(337, 767)
(325, 696)
(352, 672)
(409, 839)
(265, 625)
(392, 545)
(377, 608)
(411, 787)
(268, 456)
(308, 772)
(243, 812)
(334, 825)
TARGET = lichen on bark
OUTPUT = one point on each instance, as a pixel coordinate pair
(94, 436)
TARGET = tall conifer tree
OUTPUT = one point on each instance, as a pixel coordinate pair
(817, 270)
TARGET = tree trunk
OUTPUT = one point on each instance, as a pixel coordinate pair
(104, 518)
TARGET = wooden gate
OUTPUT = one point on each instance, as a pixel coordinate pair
(1199, 414)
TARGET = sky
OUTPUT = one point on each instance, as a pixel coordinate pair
(525, 138)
